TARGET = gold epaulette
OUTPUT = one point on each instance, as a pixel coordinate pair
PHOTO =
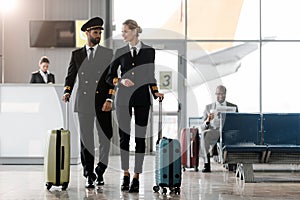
(67, 88)
(112, 91)
(115, 81)
(154, 87)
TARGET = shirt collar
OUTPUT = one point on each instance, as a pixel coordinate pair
(138, 46)
(41, 72)
(87, 47)
(219, 104)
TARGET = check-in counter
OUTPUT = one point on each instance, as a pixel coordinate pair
(27, 113)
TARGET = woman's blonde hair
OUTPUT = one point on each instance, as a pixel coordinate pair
(132, 25)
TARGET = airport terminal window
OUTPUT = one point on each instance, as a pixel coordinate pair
(222, 66)
(226, 19)
(214, 26)
(158, 19)
(280, 26)
(280, 79)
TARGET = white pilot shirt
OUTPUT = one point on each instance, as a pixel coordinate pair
(89, 51)
(45, 76)
(138, 47)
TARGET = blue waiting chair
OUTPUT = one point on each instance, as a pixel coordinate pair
(282, 137)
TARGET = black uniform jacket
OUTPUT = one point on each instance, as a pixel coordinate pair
(89, 74)
(36, 77)
(140, 70)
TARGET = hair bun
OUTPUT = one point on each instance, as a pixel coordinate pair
(140, 30)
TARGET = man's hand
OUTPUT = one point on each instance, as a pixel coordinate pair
(66, 97)
(210, 117)
(107, 106)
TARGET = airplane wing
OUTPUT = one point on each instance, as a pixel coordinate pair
(218, 64)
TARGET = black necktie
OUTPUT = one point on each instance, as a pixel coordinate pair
(134, 52)
(91, 53)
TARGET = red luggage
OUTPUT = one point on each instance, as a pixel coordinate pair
(190, 144)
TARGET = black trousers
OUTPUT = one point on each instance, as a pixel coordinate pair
(104, 130)
(124, 115)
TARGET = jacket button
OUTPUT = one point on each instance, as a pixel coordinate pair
(84, 92)
(132, 64)
(97, 92)
(132, 73)
(86, 81)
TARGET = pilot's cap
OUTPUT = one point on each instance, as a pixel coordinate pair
(94, 23)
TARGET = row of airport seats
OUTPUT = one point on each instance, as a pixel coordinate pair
(247, 139)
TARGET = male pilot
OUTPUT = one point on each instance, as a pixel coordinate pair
(90, 63)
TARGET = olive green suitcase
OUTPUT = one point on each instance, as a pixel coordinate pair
(57, 157)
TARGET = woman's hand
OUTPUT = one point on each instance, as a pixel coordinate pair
(127, 82)
(107, 106)
(159, 95)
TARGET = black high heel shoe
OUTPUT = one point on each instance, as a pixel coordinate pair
(135, 185)
(99, 180)
(125, 184)
(90, 182)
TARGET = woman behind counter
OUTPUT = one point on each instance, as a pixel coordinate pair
(43, 75)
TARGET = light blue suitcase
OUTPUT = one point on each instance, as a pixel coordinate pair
(167, 162)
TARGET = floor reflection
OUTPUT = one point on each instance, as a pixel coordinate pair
(27, 182)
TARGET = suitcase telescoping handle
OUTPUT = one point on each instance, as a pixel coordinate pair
(67, 113)
(159, 120)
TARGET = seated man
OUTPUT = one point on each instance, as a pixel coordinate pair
(211, 125)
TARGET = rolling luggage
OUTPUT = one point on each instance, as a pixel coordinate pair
(190, 141)
(57, 157)
(167, 162)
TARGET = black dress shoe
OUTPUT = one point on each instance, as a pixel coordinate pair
(206, 168)
(125, 184)
(90, 182)
(134, 186)
(100, 180)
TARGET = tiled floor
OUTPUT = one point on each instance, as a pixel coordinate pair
(27, 182)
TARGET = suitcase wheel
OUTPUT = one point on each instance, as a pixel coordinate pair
(155, 188)
(64, 186)
(49, 185)
(164, 190)
(174, 190)
(177, 190)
